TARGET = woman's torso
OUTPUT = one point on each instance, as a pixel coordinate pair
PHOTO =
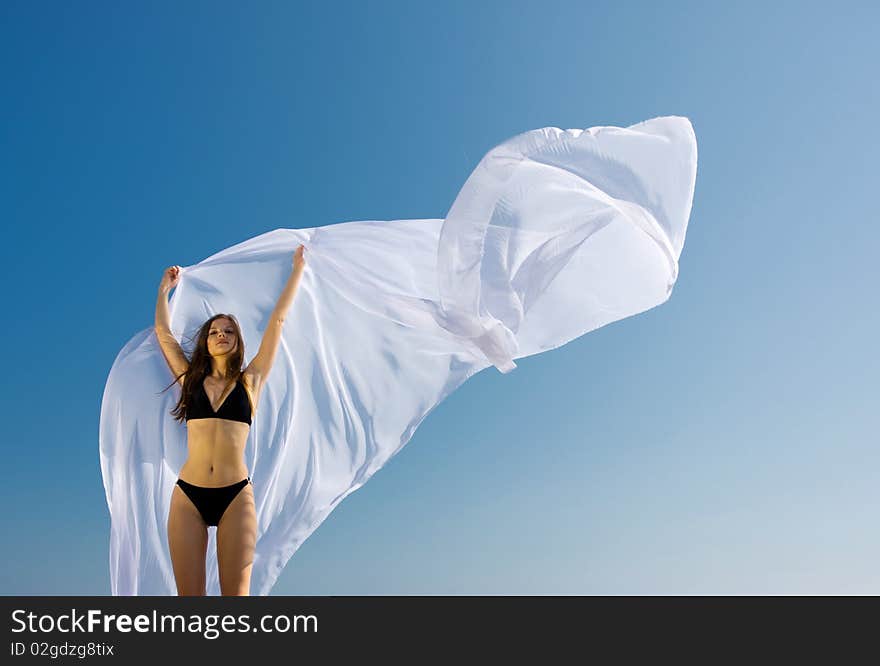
(215, 446)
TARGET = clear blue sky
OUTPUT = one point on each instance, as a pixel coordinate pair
(724, 442)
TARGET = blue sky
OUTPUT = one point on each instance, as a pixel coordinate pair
(725, 442)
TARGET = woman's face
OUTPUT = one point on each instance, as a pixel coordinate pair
(221, 337)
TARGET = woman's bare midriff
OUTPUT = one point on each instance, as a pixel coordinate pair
(215, 452)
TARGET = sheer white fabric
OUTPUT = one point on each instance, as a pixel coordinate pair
(554, 234)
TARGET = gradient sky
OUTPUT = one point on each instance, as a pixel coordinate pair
(725, 442)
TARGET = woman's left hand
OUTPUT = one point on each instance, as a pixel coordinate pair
(299, 261)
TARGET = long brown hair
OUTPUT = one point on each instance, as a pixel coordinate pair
(200, 365)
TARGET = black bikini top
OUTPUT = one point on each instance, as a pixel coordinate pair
(236, 407)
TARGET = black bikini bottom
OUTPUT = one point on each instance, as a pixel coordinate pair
(212, 502)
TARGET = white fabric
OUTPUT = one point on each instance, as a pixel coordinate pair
(554, 234)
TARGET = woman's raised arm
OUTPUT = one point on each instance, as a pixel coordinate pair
(171, 350)
(261, 364)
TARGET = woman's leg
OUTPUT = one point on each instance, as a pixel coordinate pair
(188, 542)
(236, 541)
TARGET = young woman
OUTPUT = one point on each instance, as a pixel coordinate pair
(217, 400)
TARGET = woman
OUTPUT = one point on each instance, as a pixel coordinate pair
(217, 401)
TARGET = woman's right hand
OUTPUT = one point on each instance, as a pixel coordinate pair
(170, 279)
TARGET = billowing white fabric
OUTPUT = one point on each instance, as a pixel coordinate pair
(554, 234)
